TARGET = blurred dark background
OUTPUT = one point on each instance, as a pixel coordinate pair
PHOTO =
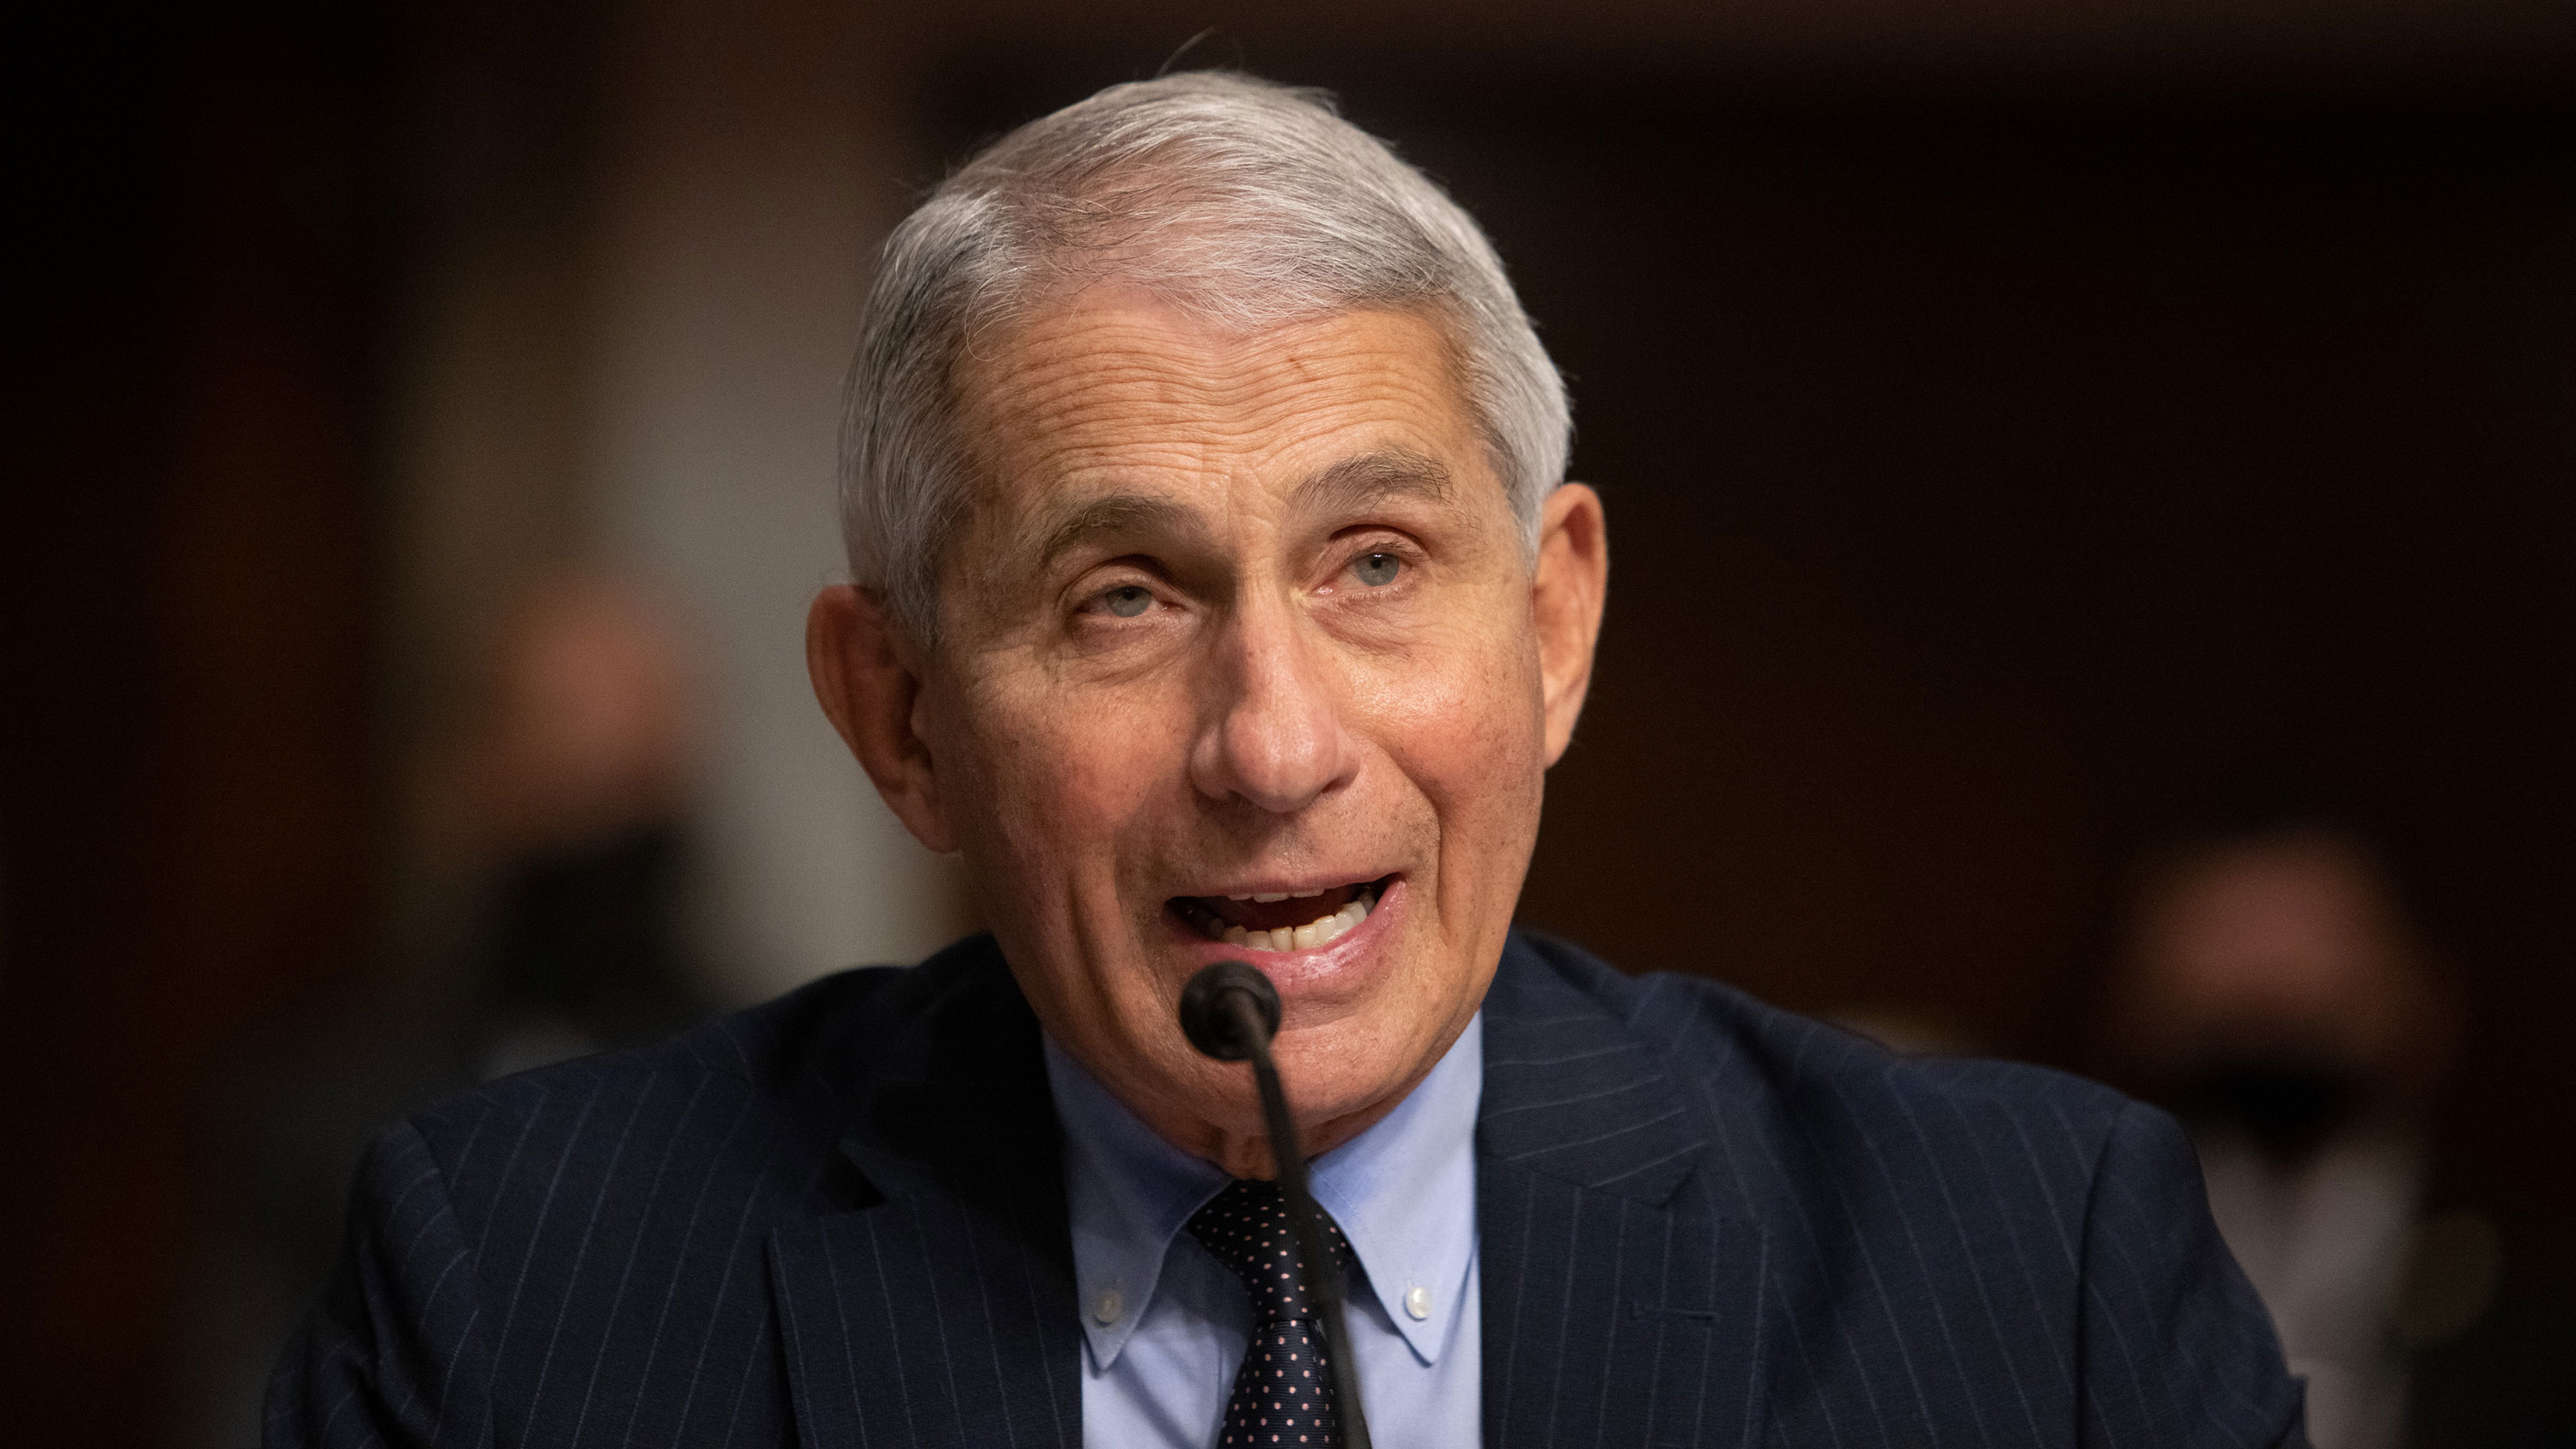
(2020, 426)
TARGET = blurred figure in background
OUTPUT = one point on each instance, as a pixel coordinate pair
(2275, 992)
(559, 808)
(573, 796)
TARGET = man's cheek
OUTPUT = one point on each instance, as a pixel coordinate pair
(1449, 717)
(1420, 686)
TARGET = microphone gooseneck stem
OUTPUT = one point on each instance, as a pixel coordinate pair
(1323, 1265)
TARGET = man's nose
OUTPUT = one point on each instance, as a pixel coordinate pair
(1274, 735)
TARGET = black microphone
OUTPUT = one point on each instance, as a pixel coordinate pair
(1229, 1011)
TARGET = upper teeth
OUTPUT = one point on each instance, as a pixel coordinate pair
(1266, 897)
(1290, 938)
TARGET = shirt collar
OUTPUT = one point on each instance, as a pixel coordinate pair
(1403, 1192)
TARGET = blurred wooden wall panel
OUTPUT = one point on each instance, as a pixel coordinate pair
(188, 549)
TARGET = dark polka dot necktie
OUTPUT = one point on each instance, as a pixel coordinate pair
(1283, 1394)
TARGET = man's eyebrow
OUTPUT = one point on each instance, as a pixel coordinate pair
(1069, 528)
(1354, 483)
(1343, 487)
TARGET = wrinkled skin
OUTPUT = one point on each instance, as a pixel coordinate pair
(1231, 613)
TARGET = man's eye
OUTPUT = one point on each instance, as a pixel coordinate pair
(1127, 601)
(1377, 569)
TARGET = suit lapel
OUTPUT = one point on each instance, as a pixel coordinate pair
(940, 1308)
(1621, 1306)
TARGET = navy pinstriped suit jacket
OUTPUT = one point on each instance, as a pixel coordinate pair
(838, 1220)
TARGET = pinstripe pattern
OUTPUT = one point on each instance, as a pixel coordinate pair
(1709, 1222)
(838, 1220)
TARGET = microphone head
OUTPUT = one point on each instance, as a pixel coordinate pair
(1208, 1017)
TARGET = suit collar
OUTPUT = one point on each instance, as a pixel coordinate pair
(1571, 1092)
(948, 1087)
(951, 1085)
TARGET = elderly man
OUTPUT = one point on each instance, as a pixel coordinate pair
(1218, 594)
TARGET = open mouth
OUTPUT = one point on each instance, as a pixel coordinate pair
(1281, 920)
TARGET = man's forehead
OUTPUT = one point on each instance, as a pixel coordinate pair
(1088, 374)
(1099, 416)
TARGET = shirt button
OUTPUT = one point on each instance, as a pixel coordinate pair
(1417, 1301)
(1107, 1306)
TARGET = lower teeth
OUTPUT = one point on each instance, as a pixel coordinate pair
(1289, 938)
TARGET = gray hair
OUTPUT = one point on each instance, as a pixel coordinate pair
(1243, 203)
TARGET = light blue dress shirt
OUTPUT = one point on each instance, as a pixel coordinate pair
(1165, 1324)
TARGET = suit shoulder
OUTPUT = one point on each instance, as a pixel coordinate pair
(759, 1048)
(764, 1085)
(1748, 1051)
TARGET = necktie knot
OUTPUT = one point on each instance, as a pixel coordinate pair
(1247, 1228)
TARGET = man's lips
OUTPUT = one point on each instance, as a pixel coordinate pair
(1285, 920)
(1340, 969)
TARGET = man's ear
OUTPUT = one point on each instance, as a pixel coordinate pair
(1566, 599)
(869, 678)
